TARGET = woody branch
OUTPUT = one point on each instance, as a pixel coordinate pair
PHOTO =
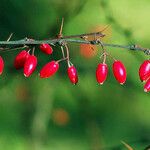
(80, 39)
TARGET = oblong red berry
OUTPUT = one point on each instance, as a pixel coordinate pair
(46, 48)
(119, 71)
(30, 65)
(101, 73)
(1, 65)
(20, 59)
(147, 86)
(49, 69)
(144, 70)
(72, 74)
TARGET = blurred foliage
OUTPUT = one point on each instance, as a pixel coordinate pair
(53, 114)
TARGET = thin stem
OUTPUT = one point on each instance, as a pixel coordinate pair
(62, 50)
(102, 46)
(10, 45)
(108, 54)
(104, 58)
(100, 34)
(68, 57)
(29, 51)
(62, 59)
(33, 50)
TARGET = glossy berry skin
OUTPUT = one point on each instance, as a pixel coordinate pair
(72, 74)
(119, 71)
(20, 59)
(101, 73)
(46, 48)
(49, 69)
(144, 70)
(1, 65)
(30, 65)
(147, 86)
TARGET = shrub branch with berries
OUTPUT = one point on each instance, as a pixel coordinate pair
(28, 61)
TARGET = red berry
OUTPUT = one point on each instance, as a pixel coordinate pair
(72, 74)
(1, 65)
(49, 69)
(119, 71)
(30, 65)
(101, 73)
(46, 48)
(20, 59)
(144, 70)
(147, 86)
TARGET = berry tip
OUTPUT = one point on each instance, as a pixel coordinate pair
(26, 75)
(74, 84)
(145, 90)
(122, 83)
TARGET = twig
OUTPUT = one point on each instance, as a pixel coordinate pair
(11, 45)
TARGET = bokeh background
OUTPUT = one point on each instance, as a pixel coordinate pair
(52, 114)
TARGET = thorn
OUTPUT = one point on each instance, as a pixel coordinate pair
(106, 27)
(10, 36)
(61, 28)
(126, 145)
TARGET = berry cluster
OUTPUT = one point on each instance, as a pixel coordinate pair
(144, 74)
(29, 62)
(118, 68)
(120, 74)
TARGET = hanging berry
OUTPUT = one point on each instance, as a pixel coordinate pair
(46, 48)
(30, 65)
(101, 73)
(119, 71)
(1, 65)
(20, 59)
(144, 70)
(72, 74)
(49, 69)
(147, 86)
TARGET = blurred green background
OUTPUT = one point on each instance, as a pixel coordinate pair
(52, 114)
